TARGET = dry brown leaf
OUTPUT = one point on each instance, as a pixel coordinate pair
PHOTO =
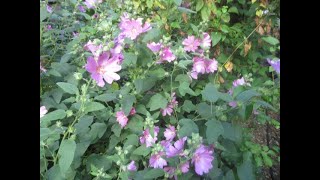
(229, 66)
(247, 47)
(217, 51)
(167, 27)
(221, 80)
(185, 17)
(260, 30)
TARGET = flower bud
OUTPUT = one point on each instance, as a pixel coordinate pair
(69, 113)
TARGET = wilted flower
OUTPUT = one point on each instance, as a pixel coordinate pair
(202, 159)
(171, 172)
(42, 68)
(154, 47)
(156, 160)
(206, 41)
(49, 9)
(94, 49)
(167, 110)
(185, 167)
(105, 68)
(91, 4)
(122, 118)
(132, 111)
(239, 82)
(81, 9)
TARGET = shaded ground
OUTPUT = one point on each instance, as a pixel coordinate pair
(270, 136)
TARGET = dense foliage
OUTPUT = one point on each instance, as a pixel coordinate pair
(156, 89)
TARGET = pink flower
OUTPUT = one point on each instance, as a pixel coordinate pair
(91, 4)
(75, 34)
(90, 46)
(202, 159)
(48, 27)
(43, 111)
(122, 118)
(132, 28)
(171, 172)
(191, 44)
(211, 66)
(81, 9)
(147, 138)
(131, 166)
(154, 47)
(206, 41)
(42, 68)
(49, 9)
(233, 104)
(177, 149)
(132, 111)
(199, 65)
(239, 82)
(173, 102)
(167, 55)
(185, 167)
(167, 111)
(105, 68)
(156, 160)
(170, 133)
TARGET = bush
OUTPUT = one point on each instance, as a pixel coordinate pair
(154, 89)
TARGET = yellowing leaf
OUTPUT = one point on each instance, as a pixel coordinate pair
(253, 1)
(229, 66)
(259, 13)
(247, 47)
(185, 17)
(260, 30)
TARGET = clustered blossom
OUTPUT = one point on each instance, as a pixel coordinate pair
(191, 43)
(202, 159)
(275, 64)
(169, 109)
(91, 4)
(164, 52)
(103, 69)
(176, 148)
(203, 66)
(43, 111)
(131, 166)
(132, 28)
(147, 138)
(122, 118)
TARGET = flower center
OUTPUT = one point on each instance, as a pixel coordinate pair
(101, 70)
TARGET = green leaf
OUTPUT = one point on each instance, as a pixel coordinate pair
(157, 101)
(130, 59)
(178, 2)
(143, 85)
(54, 115)
(265, 104)
(205, 13)
(135, 124)
(247, 95)
(210, 93)
(126, 103)
(199, 5)
(213, 131)
(97, 130)
(182, 78)
(184, 88)
(149, 3)
(205, 110)
(188, 106)
(215, 38)
(106, 97)
(83, 124)
(65, 58)
(153, 34)
(185, 10)
(66, 152)
(98, 161)
(45, 133)
(225, 17)
(233, 9)
(93, 106)
(132, 139)
(245, 171)
(68, 88)
(229, 175)
(124, 175)
(154, 173)
(116, 129)
(142, 150)
(187, 127)
(43, 13)
(225, 97)
(175, 25)
(232, 132)
(271, 40)
(184, 63)
(159, 73)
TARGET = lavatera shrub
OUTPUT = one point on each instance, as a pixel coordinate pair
(157, 89)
